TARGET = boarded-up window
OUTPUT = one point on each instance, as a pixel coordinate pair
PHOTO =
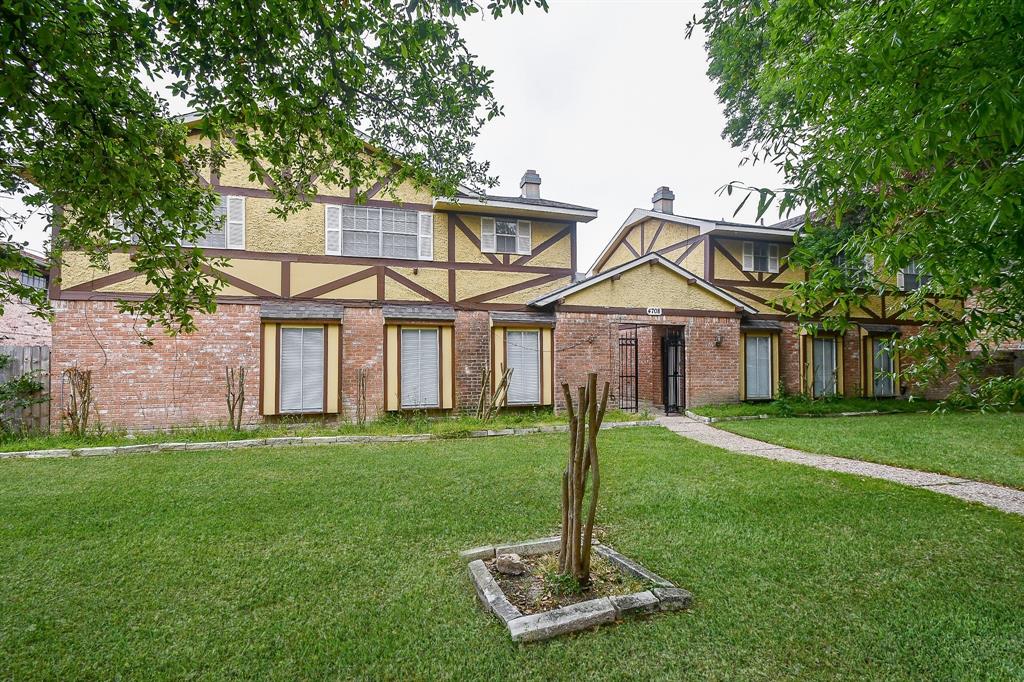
(523, 358)
(758, 368)
(302, 369)
(420, 368)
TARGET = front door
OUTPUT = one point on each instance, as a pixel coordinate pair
(673, 367)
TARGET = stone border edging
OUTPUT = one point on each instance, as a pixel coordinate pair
(748, 417)
(663, 596)
(285, 441)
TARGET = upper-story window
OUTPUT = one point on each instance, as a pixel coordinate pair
(912, 277)
(34, 281)
(760, 257)
(504, 235)
(379, 232)
(230, 233)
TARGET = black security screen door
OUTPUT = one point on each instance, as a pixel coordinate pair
(628, 370)
(673, 355)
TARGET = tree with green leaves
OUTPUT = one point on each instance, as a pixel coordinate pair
(899, 127)
(309, 93)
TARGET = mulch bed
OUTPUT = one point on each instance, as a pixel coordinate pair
(541, 589)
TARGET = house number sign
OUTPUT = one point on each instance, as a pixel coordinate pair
(654, 311)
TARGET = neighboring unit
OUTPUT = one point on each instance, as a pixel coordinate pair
(18, 326)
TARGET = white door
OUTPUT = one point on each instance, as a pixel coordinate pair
(884, 387)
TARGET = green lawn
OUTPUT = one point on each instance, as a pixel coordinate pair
(986, 447)
(799, 406)
(392, 424)
(340, 562)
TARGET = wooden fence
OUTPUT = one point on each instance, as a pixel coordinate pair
(25, 360)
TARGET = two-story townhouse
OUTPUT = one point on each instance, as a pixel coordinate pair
(343, 308)
(18, 326)
(689, 311)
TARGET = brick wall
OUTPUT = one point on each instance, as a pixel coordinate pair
(852, 370)
(588, 342)
(18, 327)
(176, 381)
(472, 356)
(362, 348)
(789, 358)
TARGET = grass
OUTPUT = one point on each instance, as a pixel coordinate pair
(392, 424)
(800, 406)
(982, 446)
(340, 562)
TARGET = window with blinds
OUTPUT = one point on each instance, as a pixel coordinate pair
(758, 369)
(302, 369)
(824, 361)
(883, 363)
(523, 357)
(420, 368)
(378, 232)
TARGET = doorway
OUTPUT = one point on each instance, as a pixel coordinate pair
(673, 366)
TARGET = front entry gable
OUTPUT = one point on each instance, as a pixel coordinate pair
(651, 281)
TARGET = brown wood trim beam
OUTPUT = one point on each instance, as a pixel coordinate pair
(418, 288)
(545, 245)
(104, 281)
(337, 283)
(380, 282)
(686, 252)
(682, 312)
(511, 289)
(654, 239)
(625, 242)
(286, 279)
(239, 282)
(259, 193)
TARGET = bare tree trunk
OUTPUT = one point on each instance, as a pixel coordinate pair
(577, 534)
(79, 404)
(235, 395)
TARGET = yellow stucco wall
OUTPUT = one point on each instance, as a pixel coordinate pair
(649, 285)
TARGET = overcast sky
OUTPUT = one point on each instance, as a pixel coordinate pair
(607, 100)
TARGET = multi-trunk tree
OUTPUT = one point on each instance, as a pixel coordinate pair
(585, 419)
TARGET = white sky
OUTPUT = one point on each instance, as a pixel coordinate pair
(607, 100)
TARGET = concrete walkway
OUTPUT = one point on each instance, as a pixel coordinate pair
(997, 496)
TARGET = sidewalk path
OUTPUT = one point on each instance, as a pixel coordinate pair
(997, 496)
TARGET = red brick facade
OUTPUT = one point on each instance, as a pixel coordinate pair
(588, 342)
(362, 349)
(179, 381)
(176, 381)
(18, 327)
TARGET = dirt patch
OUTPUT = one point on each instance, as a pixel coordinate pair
(542, 589)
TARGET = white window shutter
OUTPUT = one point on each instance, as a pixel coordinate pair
(332, 229)
(488, 243)
(426, 236)
(235, 222)
(773, 258)
(215, 238)
(524, 237)
(900, 283)
(748, 256)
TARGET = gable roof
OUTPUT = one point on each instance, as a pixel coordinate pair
(693, 279)
(784, 228)
(517, 205)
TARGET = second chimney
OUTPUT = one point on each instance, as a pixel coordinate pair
(530, 185)
(662, 199)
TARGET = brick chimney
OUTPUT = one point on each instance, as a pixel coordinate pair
(530, 185)
(662, 199)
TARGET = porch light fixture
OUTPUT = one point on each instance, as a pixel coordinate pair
(718, 340)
